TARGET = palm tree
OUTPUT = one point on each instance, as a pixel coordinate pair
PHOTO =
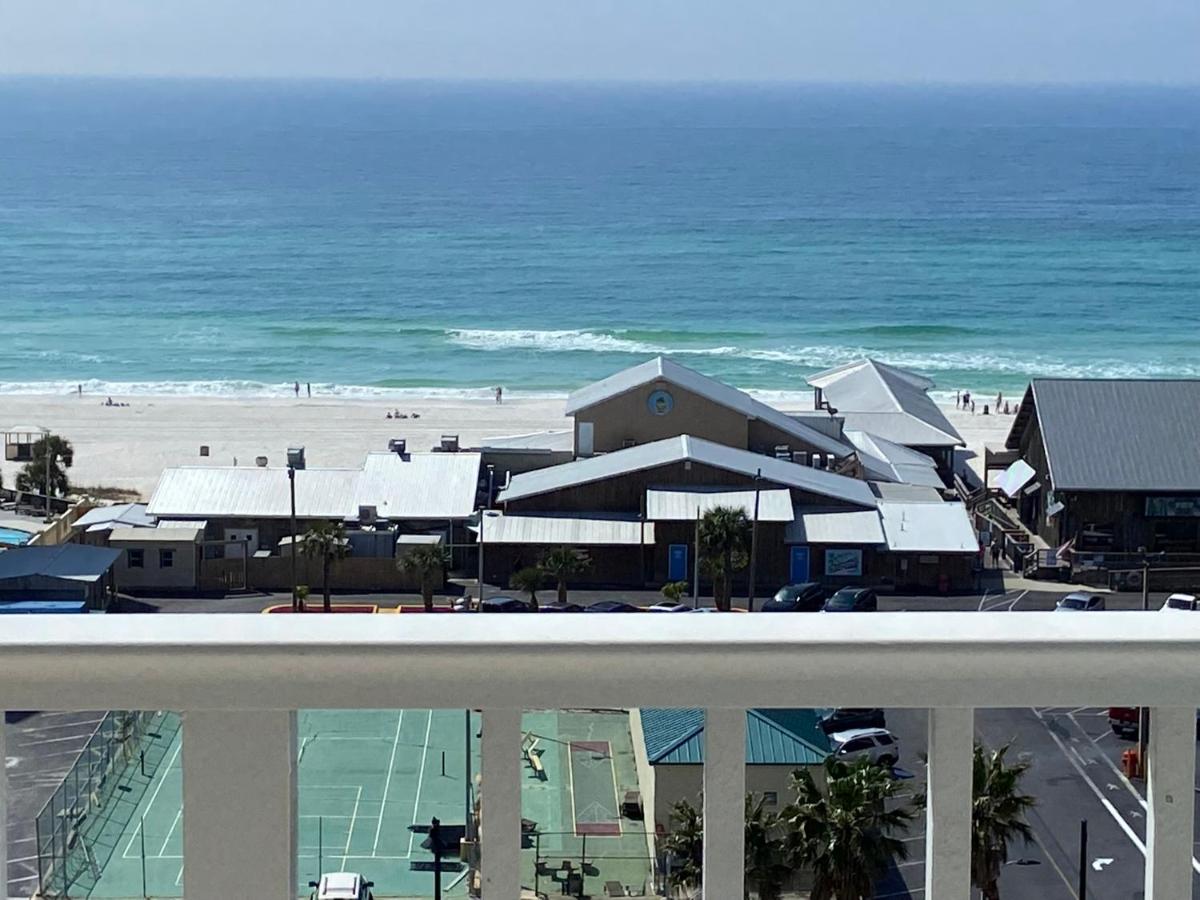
(563, 562)
(428, 562)
(327, 542)
(685, 846)
(724, 538)
(32, 476)
(529, 580)
(766, 868)
(997, 816)
(846, 835)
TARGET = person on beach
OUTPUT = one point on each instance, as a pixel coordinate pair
(972, 407)
(958, 399)
(80, 387)
(308, 387)
(296, 388)
(999, 400)
(499, 394)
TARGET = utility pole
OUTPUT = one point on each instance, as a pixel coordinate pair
(1083, 863)
(696, 565)
(1143, 711)
(753, 544)
(292, 488)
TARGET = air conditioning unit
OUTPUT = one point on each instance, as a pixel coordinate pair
(449, 443)
(260, 461)
(800, 457)
(295, 457)
(398, 446)
(783, 451)
(367, 515)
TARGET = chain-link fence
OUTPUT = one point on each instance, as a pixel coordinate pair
(87, 804)
(558, 863)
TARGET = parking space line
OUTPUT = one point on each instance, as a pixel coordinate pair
(1050, 859)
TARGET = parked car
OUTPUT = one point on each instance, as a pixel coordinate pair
(1123, 720)
(1185, 602)
(342, 886)
(806, 597)
(669, 606)
(835, 720)
(559, 607)
(876, 744)
(505, 604)
(852, 599)
(612, 606)
(1080, 601)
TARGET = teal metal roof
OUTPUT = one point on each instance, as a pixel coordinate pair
(774, 737)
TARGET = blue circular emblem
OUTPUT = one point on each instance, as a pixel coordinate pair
(660, 403)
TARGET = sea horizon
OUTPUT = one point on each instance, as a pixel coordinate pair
(195, 236)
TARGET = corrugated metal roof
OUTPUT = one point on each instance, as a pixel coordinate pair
(774, 737)
(912, 493)
(888, 402)
(547, 441)
(419, 485)
(1119, 434)
(183, 523)
(667, 504)
(927, 527)
(419, 539)
(678, 449)
(72, 562)
(662, 369)
(889, 461)
(825, 526)
(132, 514)
(176, 535)
(572, 530)
(221, 492)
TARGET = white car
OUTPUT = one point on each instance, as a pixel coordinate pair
(1185, 602)
(1080, 601)
(342, 886)
(876, 744)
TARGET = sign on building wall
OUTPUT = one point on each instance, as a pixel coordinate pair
(843, 562)
(1174, 507)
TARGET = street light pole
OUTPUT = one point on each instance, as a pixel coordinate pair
(753, 543)
(292, 486)
(696, 565)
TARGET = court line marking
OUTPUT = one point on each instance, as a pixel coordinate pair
(420, 780)
(149, 806)
(571, 790)
(386, 784)
(612, 764)
(171, 830)
(350, 833)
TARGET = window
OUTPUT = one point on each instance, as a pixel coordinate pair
(862, 743)
(137, 559)
(885, 740)
(166, 559)
(770, 798)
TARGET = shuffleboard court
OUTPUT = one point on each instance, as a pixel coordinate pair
(594, 788)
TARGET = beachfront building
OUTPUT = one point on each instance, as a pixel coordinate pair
(1106, 468)
(245, 512)
(95, 525)
(163, 560)
(891, 404)
(61, 573)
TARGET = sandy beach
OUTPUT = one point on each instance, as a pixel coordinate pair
(128, 446)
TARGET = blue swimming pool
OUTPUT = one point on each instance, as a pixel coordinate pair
(14, 536)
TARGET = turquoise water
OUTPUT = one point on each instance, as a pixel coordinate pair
(231, 237)
(14, 537)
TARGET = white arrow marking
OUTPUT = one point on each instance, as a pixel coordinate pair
(1099, 863)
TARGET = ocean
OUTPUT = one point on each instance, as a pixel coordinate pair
(375, 238)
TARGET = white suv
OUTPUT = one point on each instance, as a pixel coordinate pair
(342, 886)
(876, 744)
(1185, 602)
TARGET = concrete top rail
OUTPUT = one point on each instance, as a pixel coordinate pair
(245, 662)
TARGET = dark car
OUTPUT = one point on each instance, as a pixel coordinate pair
(807, 597)
(505, 604)
(851, 599)
(612, 606)
(560, 607)
(836, 720)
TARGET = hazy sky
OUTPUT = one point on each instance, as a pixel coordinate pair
(808, 40)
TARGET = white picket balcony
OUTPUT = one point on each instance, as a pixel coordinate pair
(240, 679)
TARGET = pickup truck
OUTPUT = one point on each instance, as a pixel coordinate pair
(1124, 722)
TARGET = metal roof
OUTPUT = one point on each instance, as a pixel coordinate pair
(679, 449)
(71, 562)
(176, 535)
(419, 539)
(888, 461)
(888, 402)
(663, 369)
(246, 492)
(1117, 434)
(183, 523)
(573, 530)
(927, 527)
(668, 504)
(774, 737)
(1015, 477)
(419, 485)
(103, 517)
(827, 526)
(557, 440)
(885, 490)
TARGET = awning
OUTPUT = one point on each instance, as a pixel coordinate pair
(1015, 477)
(845, 526)
(680, 505)
(579, 531)
(418, 539)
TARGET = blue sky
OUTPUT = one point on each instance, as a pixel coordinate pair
(1008, 41)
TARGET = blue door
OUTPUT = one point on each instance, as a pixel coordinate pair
(677, 558)
(798, 571)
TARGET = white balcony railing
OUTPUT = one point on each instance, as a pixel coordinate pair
(240, 679)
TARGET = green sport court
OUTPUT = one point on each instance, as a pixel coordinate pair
(365, 776)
